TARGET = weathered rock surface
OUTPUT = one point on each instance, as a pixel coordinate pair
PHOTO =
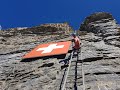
(37, 74)
(43, 29)
(100, 53)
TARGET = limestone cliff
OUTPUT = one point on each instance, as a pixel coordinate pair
(43, 29)
(100, 53)
(14, 38)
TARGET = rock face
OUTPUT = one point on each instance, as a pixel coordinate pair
(58, 28)
(107, 28)
(44, 29)
(100, 53)
(35, 75)
(15, 38)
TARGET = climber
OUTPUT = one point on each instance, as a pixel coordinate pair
(76, 43)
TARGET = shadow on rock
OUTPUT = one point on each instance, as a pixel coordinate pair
(47, 65)
(62, 56)
(90, 59)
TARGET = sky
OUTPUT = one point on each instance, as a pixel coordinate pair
(28, 13)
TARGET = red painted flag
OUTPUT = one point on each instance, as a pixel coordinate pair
(49, 49)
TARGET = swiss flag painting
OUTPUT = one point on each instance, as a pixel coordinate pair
(49, 49)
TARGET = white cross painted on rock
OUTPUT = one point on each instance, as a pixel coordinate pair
(49, 48)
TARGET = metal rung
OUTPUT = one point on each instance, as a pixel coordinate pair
(69, 85)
